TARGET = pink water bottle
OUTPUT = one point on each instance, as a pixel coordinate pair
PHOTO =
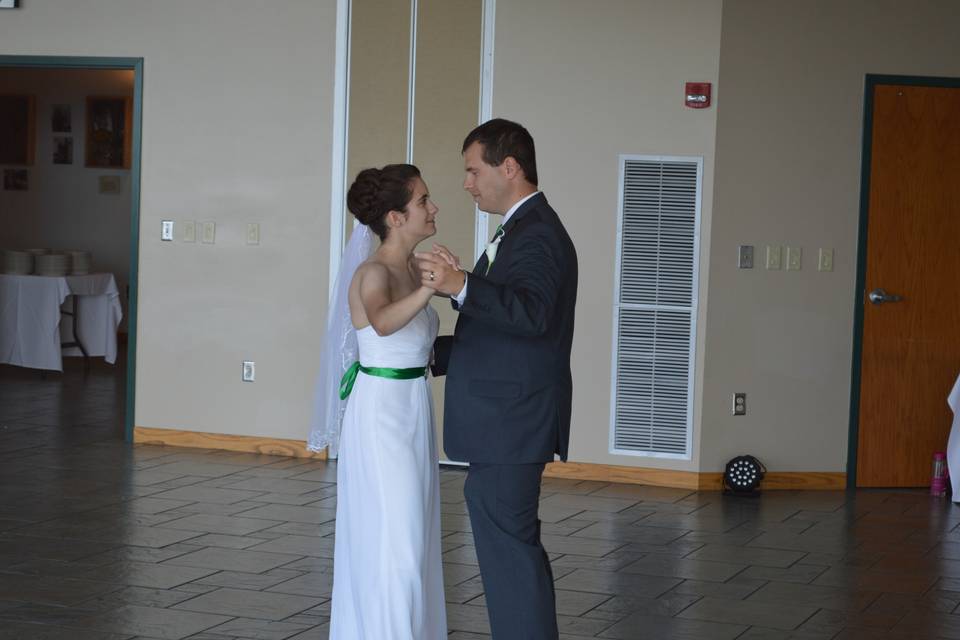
(938, 478)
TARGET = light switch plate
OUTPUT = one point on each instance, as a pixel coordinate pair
(249, 371)
(794, 258)
(253, 233)
(190, 231)
(745, 256)
(773, 258)
(166, 230)
(825, 263)
(209, 232)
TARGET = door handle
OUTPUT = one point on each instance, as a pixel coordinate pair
(878, 296)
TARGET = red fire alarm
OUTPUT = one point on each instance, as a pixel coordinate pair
(697, 95)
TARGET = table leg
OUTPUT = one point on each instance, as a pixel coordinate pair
(76, 333)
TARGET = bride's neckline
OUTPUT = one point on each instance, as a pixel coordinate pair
(370, 326)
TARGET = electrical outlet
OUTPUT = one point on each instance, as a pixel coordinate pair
(249, 371)
(190, 231)
(745, 256)
(773, 258)
(166, 230)
(739, 404)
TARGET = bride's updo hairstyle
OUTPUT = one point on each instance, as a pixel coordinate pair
(376, 192)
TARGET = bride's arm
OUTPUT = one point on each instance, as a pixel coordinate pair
(385, 316)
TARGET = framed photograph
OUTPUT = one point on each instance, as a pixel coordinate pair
(9, 4)
(61, 120)
(62, 150)
(18, 119)
(109, 131)
(16, 179)
(111, 185)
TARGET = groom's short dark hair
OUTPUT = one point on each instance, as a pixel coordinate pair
(502, 139)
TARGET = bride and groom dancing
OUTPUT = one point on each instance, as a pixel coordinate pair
(507, 404)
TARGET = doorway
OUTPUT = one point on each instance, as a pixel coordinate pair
(906, 355)
(70, 130)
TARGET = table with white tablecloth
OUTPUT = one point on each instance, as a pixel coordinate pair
(32, 327)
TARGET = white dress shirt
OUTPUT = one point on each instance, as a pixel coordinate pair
(462, 296)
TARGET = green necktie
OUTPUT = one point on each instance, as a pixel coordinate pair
(350, 377)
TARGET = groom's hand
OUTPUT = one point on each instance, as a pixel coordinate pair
(436, 272)
(446, 254)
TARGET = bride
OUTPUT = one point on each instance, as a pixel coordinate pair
(388, 579)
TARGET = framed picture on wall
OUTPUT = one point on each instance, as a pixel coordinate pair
(62, 150)
(9, 4)
(16, 179)
(108, 131)
(111, 185)
(61, 120)
(18, 119)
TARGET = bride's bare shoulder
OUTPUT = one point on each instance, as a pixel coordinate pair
(371, 272)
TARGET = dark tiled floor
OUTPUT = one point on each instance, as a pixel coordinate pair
(100, 540)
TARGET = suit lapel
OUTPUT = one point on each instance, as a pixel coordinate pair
(481, 266)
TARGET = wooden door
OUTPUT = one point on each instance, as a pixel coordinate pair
(911, 347)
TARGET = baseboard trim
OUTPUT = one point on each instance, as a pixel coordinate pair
(709, 481)
(226, 442)
(627, 475)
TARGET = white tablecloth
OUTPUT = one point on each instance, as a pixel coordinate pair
(31, 327)
(953, 444)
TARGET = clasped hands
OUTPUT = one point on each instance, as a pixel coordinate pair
(440, 270)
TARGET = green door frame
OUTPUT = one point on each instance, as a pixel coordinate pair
(871, 82)
(135, 65)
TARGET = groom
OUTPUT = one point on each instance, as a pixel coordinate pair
(507, 408)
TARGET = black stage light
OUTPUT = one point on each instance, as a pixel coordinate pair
(743, 475)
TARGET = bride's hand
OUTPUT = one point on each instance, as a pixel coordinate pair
(446, 254)
(437, 273)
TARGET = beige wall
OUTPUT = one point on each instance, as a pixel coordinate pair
(64, 208)
(788, 173)
(593, 80)
(236, 129)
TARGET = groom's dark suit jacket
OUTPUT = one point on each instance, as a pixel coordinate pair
(509, 385)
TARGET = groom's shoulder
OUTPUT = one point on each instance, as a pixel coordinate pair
(540, 212)
(544, 218)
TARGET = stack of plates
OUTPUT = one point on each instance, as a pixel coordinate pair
(81, 262)
(17, 262)
(53, 264)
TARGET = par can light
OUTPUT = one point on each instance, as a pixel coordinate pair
(743, 475)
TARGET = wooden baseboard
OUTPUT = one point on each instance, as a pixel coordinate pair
(627, 475)
(248, 444)
(709, 481)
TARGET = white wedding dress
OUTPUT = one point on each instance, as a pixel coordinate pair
(388, 574)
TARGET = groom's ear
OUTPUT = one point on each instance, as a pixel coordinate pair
(510, 166)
